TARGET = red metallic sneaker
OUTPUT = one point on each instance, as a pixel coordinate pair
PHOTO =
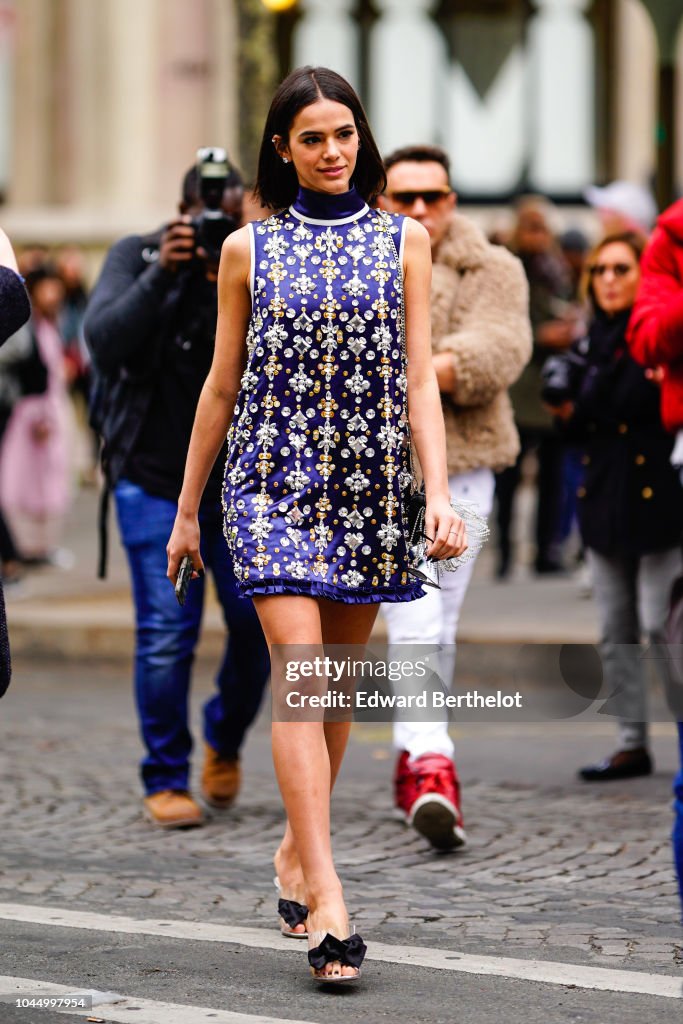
(427, 791)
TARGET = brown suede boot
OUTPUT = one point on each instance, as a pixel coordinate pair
(221, 778)
(173, 808)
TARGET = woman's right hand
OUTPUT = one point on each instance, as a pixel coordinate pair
(184, 540)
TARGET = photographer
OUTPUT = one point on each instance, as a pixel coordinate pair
(631, 502)
(150, 325)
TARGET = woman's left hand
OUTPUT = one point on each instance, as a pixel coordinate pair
(445, 530)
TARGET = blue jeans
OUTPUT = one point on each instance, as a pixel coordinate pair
(166, 636)
(678, 808)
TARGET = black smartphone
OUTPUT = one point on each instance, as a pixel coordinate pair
(183, 580)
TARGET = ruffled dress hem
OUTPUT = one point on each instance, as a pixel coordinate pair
(316, 588)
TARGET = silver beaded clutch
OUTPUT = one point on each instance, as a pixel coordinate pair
(477, 534)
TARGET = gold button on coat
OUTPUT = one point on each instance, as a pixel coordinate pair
(647, 493)
(640, 460)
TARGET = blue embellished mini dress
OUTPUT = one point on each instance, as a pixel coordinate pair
(317, 455)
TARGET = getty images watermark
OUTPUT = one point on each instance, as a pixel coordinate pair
(325, 667)
(512, 683)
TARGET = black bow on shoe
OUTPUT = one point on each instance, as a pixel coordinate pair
(291, 912)
(349, 952)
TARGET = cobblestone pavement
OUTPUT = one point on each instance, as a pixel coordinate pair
(557, 871)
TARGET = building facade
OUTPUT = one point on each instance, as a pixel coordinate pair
(103, 102)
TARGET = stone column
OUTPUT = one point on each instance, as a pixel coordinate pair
(8, 17)
(81, 148)
(128, 64)
(561, 97)
(198, 86)
(31, 179)
(185, 70)
(328, 36)
(408, 60)
(224, 83)
(636, 93)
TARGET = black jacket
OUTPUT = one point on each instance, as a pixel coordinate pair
(631, 499)
(124, 327)
(151, 333)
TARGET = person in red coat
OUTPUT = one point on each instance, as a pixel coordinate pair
(656, 327)
(656, 340)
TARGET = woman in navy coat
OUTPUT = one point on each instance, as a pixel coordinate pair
(630, 502)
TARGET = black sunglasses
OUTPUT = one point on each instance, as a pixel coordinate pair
(618, 269)
(428, 197)
(423, 578)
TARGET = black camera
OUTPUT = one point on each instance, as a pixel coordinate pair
(213, 225)
(562, 376)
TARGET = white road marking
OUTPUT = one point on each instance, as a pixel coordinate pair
(549, 972)
(118, 1008)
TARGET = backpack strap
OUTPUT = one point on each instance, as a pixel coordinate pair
(103, 531)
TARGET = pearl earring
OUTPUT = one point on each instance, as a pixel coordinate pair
(285, 160)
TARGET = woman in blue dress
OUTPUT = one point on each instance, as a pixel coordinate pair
(310, 376)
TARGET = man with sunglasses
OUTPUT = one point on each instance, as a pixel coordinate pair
(481, 341)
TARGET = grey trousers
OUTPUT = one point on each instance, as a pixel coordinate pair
(632, 595)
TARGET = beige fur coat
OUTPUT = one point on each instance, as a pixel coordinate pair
(479, 315)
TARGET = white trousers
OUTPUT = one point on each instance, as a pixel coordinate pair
(433, 619)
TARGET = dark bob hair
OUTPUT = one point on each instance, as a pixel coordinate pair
(276, 182)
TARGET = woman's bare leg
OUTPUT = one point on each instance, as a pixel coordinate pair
(307, 757)
(343, 624)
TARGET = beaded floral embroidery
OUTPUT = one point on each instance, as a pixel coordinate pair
(316, 454)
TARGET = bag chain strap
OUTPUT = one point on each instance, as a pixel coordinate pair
(385, 221)
(477, 527)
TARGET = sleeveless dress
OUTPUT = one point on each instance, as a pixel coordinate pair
(316, 450)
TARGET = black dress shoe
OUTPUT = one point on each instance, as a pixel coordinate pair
(625, 764)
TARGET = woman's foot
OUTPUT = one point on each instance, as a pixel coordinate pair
(289, 882)
(334, 953)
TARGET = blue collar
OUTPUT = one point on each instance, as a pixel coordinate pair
(326, 206)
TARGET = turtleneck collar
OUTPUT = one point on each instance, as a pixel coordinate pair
(325, 206)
